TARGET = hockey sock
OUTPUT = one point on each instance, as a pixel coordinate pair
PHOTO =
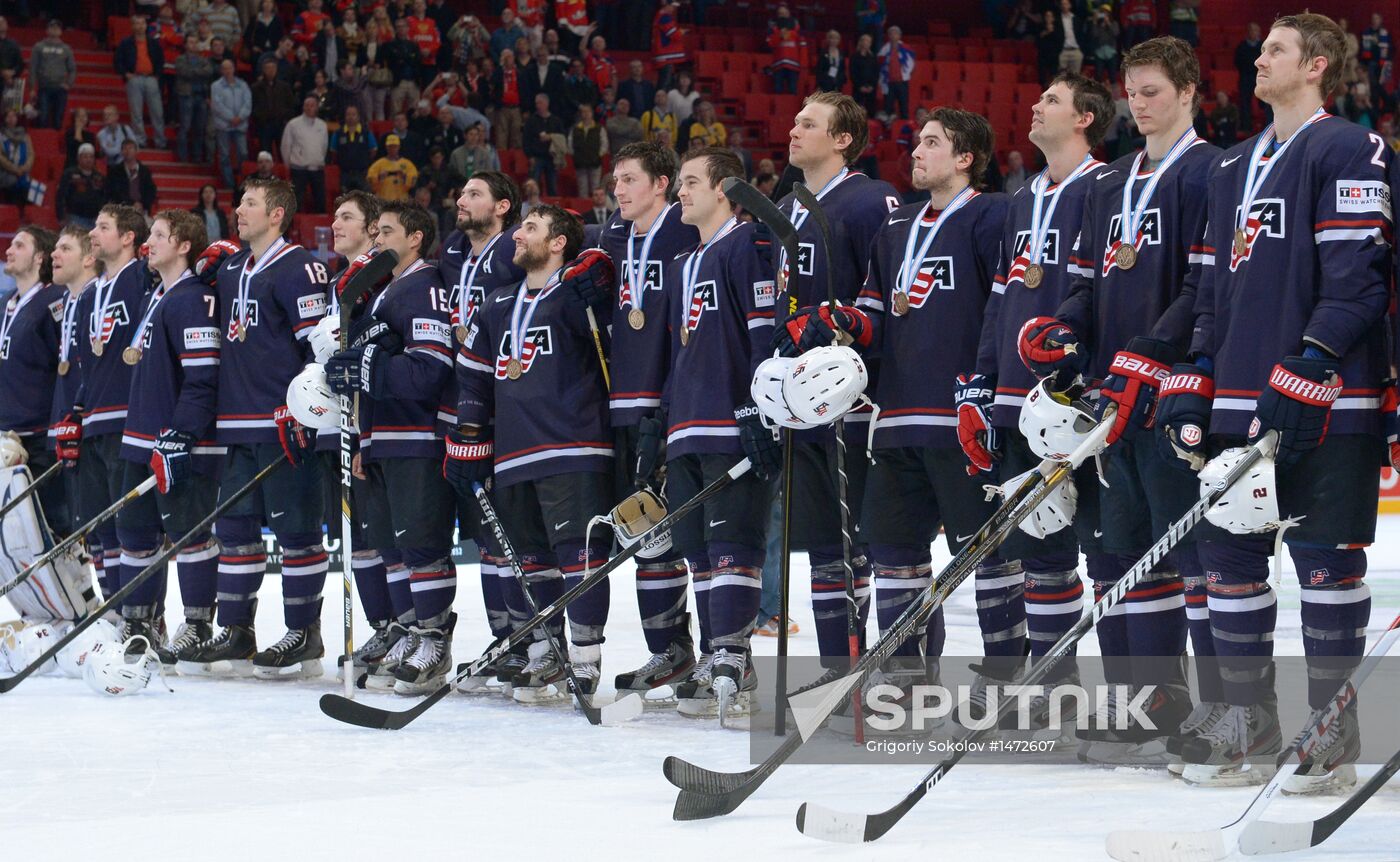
(736, 585)
(304, 565)
(1001, 607)
(432, 580)
(99, 569)
(142, 602)
(1193, 580)
(111, 553)
(1243, 613)
(242, 564)
(588, 614)
(662, 600)
(371, 585)
(1336, 608)
(1054, 602)
(396, 582)
(1156, 613)
(829, 598)
(497, 614)
(197, 567)
(1112, 631)
(901, 573)
(700, 576)
(545, 586)
(537, 567)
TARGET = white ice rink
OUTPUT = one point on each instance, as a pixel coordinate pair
(253, 770)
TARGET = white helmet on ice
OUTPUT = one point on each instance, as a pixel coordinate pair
(12, 451)
(1251, 504)
(824, 384)
(310, 399)
(767, 393)
(100, 635)
(1053, 424)
(107, 672)
(634, 516)
(25, 646)
(325, 338)
(1053, 514)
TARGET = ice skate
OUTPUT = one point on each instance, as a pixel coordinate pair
(512, 663)
(732, 683)
(1331, 768)
(402, 642)
(487, 680)
(587, 662)
(1217, 757)
(228, 653)
(144, 630)
(541, 681)
(1106, 744)
(425, 669)
(1204, 715)
(296, 656)
(190, 634)
(657, 680)
(896, 683)
(694, 697)
(369, 654)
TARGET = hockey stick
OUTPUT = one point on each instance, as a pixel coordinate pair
(77, 535)
(831, 825)
(706, 793)
(33, 486)
(115, 600)
(617, 712)
(362, 715)
(767, 212)
(1214, 844)
(853, 630)
(381, 265)
(598, 346)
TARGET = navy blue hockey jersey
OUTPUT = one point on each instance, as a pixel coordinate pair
(65, 389)
(476, 276)
(107, 316)
(1314, 268)
(29, 339)
(175, 382)
(268, 308)
(856, 206)
(923, 348)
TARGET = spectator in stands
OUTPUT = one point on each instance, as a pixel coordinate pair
(391, 176)
(219, 51)
(222, 17)
(76, 135)
(831, 64)
(10, 55)
(352, 35)
(572, 18)
(598, 66)
(265, 169)
(602, 208)
(785, 41)
(896, 67)
(556, 53)
(509, 92)
(469, 39)
(445, 135)
(284, 57)
(81, 190)
(667, 44)
(140, 62)
(213, 215)
(320, 90)
(305, 141)
(622, 127)
(401, 56)
(350, 89)
(1103, 33)
(131, 182)
(865, 74)
(659, 118)
(1074, 38)
(412, 146)
(579, 90)
(1246, 52)
(193, 75)
(870, 18)
(274, 103)
(379, 80)
(231, 104)
(1016, 175)
(1355, 104)
(1021, 22)
(308, 23)
(474, 156)
(540, 129)
(736, 145)
(16, 159)
(423, 30)
(530, 197)
(505, 36)
(328, 49)
(681, 101)
(531, 15)
(52, 71)
(1387, 133)
(12, 93)
(439, 177)
(264, 31)
(1181, 21)
(767, 183)
(542, 75)
(112, 135)
(1139, 19)
(354, 147)
(588, 141)
(1376, 49)
(707, 127)
(1224, 122)
(636, 90)
(1048, 44)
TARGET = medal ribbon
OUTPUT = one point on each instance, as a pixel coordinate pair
(1255, 174)
(412, 268)
(1041, 218)
(690, 271)
(634, 271)
(467, 280)
(98, 328)
(1130, 221)
(68, 329)
(519, 328)
(13, 308)
(799, 212)
(910, 268)
(245, 279)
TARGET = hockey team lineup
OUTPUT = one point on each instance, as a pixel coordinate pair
(1179, 366)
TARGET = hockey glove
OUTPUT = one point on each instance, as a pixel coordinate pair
(361, 369)
(206, 266)
(298, 441)
(170, 458)
(1049, 348)
(1297, 404)
(1390, 424)
(588, 280)
(369, 330)
(822, 326)
(760, 443)
(68, 435)
(651, 446)
(469, 459)
(973, 395)
(354, 268)
(1134, 377)
(1183, 414)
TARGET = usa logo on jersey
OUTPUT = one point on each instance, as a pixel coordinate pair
(1049, 254)
(113, 316)
(1149, 233)
(1266, 218)
(934, 273)
(538, 342)
(701, 301)
(237, 314)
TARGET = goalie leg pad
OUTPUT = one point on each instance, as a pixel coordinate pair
(62, 590)
(1336, 605)
(304, 566)
(242, 564)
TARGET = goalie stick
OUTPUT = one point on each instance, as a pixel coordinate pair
(1215, 844)
(378, 267)
(362, 715)
(157, 565)
(77, 535)
(619, 711)
(831, 825)
(33, 486)
(706, 793)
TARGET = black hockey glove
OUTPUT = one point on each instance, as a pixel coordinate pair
(760, 443)
(368, 330)
(1134, 377)
(651, 446)
(470, 459)
(362, 369)
(1297, 404)
(1183, 414)
(170, 459)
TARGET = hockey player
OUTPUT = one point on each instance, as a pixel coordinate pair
(1288, 338)
(827, 138)
(400, 364)
(475, 259)
(270, 296)
(74, 267)
(1128, 316)
(30, 335)
(174, 356)
(642, 237)
(720, 298)
(1033, 279)
(532, 413)
(931, 271)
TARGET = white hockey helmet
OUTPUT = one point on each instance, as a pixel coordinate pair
(310, 399)
(325, 338)
(634, 516)
(1053, 424)
(824, 384)
(767, 392)
(1250, 505)
(30, 642)
(12, 451)
(97, 637)
(1053, 514)
(106, 670)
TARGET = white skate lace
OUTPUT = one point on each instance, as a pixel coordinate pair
(400, 648)
(587, 670)
(1330, 737)
(186, 636)
(540, 663)
(704, 670)
(374, 645)
(1202, 715)
(734, 660)
(428, 653)
(1231, 731)
(290, 641)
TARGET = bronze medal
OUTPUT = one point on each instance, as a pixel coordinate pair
(513, 369)
(1241, 242)
(1035, 274)
(97, 348)
(242, 334)
(782, 281)
(901, 303)
(461, 332)
(63, 367)
(1126, 256)
(685, 336)
(131, 355)
(636, 319)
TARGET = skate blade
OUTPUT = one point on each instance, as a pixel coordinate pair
(479, 685)
(697, 707)
(238, 668)
(1146, 754)
(1339, 780)
(309, 669)
(189, 668)
(1205, 775)
(380, 682)
(417, 689)
(548, 695)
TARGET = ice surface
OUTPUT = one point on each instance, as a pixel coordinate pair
(253, 770)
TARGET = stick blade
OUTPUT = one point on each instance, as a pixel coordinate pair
(622, 710)
(828, 824)
(697, 779)
(1145, 846)
(703, 806)
(1267, 836)
(359, 714)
